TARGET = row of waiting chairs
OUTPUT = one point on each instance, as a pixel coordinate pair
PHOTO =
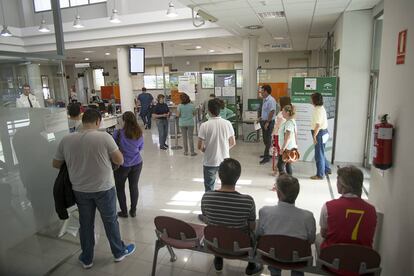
(279, 251)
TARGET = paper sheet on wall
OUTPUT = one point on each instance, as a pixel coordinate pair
(310, 84)
(217, 91)
(229, 91)
(186, 84)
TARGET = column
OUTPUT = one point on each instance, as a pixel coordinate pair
(33, 73)
(250, 63)
(125, 82)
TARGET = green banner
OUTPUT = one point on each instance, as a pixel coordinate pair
(304, 87)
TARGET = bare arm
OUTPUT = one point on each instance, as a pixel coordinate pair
(57, 163)
(232, 142)
(117, 157)
(286, 141)
(200, 145)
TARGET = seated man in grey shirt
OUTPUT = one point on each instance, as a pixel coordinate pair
(285, 218)
(88, 156)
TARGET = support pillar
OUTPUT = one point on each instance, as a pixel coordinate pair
(33, 74)
(125, 82)
(250, 63)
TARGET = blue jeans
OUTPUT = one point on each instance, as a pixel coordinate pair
(209, 177)
(162, 125)
(106, 203)
(278, 272)
(322, 165)
(146, 117)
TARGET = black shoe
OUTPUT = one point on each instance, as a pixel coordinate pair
(264, 161)
(328, 172)
(163, 148)
(218, 264)
(253, 268)
(122, 215)
(165, 145)
(201, 218)
(133, 213)
(265, 156)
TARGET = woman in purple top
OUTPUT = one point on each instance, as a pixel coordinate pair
(130, 142)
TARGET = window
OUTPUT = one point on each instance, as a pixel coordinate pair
(153, 77)
(239, 78)
(207, 80)
(98, 79)
(45, 5)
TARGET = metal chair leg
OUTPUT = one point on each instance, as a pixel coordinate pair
(158, 245)
(172, 254)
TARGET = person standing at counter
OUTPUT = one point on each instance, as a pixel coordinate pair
(320, 136)
(267, 121)
(185, 114)
(145, 99)
(75, 120)
(161, 112)
(27, 99)
(131, 143)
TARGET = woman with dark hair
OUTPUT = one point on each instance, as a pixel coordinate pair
(161, 112)
(130, 141)
(287, 138)
(185, 114)
(319, 130)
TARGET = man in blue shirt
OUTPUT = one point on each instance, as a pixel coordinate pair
(145, 99)
(267, 120)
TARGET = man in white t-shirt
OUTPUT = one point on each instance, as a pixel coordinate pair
(88, 155)
(215, 139)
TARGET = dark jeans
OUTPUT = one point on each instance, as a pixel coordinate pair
(106, 203)
(282, 165)
(146, 117)
(322, 165)
(188, 138)
(267, 136)
(209, 177)
(121, 175)
(278, 272)
(162, 125)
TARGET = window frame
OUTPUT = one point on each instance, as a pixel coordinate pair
(70, 7)
(157, 75)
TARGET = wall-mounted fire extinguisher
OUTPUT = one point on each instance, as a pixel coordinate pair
(383, 136)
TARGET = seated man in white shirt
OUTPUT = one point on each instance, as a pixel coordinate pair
(285, 218)
(27, 99)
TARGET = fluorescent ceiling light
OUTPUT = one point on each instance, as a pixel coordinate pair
(43, 27)
(77, 23)
(5, 32)
(107, 54)
(86, 59)
(114, 17)
(211, 51)
(171, 12)
(198, 47)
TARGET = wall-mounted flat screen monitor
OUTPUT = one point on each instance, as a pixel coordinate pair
(136, 60)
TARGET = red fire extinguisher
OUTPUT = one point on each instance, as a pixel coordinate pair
(383, 135)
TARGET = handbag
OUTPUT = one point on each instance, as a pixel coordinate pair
(292, 155)
(118, 142)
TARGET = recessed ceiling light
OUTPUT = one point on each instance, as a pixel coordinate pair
(107, 54)
(269, 15)
(279, 37)
(211, 51)
(253, 27)
(88, 51)
(198, 47)
(86, 59)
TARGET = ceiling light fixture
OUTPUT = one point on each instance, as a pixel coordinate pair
(198, 47)
(77, 23)
(43, 27)
(171, 12)
(86, 59)
(211, 51)
(107, 54)
(253, 27)
(114, 17)
(5, 32)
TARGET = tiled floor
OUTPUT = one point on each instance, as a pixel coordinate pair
(171, 184)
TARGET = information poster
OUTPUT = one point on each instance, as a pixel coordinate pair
(302, 89)
(186, 84)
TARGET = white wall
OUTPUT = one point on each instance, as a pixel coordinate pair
(354, 40)
(392, 193)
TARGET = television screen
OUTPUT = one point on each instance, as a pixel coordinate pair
(136, 60)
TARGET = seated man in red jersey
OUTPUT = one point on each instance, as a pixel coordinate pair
(348, 219)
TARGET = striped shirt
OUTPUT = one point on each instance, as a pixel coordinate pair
(230, 209)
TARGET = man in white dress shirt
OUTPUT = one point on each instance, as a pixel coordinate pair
(27, 99)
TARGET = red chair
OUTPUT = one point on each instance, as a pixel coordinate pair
(229, 243)
(175, 233)
(284, 252)
(349, 259)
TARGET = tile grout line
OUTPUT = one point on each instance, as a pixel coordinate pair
(330, 186)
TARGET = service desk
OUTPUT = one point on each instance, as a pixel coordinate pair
(110, 122)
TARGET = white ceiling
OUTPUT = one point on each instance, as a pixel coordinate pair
(306, 23)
